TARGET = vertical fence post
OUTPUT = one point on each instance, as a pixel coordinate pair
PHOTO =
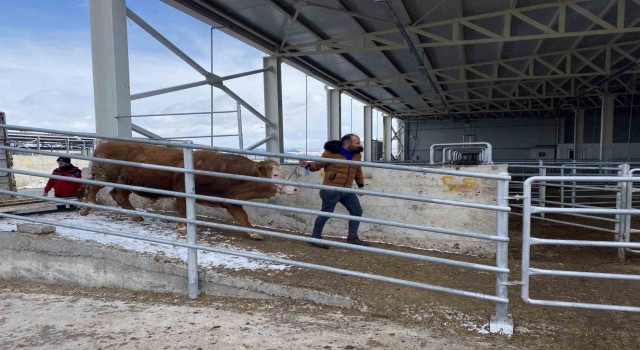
(192, 254)
(562, 187)
(574, 171)
(621, 203)
(526, 239)
(542, 192)
(629, 205)
(501, 322)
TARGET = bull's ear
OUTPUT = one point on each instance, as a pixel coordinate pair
(264, 169)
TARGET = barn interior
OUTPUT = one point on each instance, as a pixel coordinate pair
(480, 102)
(536, 79)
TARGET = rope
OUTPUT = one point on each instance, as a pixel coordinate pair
(295, 170)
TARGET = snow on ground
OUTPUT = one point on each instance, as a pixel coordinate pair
(36, 184)
(151, 228)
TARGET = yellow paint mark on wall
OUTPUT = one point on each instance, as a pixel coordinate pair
(465, 184)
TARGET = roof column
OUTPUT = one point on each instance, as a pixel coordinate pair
(387, 137)
(273, 104)
(606, 127)
(402, 137)
(560, 128)
(333, 114)
(578, 134)
(110, 57)
(368, 133)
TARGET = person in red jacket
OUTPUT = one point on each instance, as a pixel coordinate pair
(63, 188)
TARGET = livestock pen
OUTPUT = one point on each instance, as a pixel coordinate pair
(428, 285)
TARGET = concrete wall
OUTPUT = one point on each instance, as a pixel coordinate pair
(511, 138)
(618, 151)
(525, 138)
(437, 186)
(38, 163)
(57, 260)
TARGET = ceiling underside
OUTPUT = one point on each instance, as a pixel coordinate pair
(472, 59)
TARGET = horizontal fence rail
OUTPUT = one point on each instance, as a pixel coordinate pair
(280, 182)
(264, 257)
(500, 321)
(270, 154)
(527, 241)
(261, 205)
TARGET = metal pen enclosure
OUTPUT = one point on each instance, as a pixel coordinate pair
(500, 321)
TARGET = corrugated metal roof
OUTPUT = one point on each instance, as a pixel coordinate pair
(496, 58)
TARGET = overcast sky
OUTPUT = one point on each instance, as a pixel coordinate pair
(46, 76)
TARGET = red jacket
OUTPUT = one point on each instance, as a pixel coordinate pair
(63, 188)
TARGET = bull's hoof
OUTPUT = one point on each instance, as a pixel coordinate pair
(256, 236)
(84, 211)
(137, 218)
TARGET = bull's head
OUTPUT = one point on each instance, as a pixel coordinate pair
(273, 170)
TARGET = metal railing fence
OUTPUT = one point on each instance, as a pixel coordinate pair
(40, 141)
(454, 151)
(527, 241)
(631, 196)
(569, 194)
(500, 320)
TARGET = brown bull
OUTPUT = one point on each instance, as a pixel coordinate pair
(174, 181)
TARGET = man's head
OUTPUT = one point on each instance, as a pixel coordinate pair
(63, 161)
(351, 142)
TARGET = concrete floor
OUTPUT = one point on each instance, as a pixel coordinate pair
(46, 317)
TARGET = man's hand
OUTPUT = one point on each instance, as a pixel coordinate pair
(45, 194)
(360, 194)
(303, 163)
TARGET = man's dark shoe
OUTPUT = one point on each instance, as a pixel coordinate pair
(357, 241)
(319, 245)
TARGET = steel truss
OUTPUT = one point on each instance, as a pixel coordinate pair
(210, 78)
(454, 27)
(544, 80)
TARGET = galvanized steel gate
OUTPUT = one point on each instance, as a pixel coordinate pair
(622, 212)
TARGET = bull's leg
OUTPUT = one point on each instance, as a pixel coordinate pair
(238, 213)
(181, 206)
(90, 194)
(121, 196)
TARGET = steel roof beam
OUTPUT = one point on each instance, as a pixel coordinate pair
(621, 9)
(283, 7)
(386, 54)
(338, 45)
(426, 67)
(352, 14)
(491, 68)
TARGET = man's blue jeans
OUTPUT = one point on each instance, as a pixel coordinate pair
(329, 201)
